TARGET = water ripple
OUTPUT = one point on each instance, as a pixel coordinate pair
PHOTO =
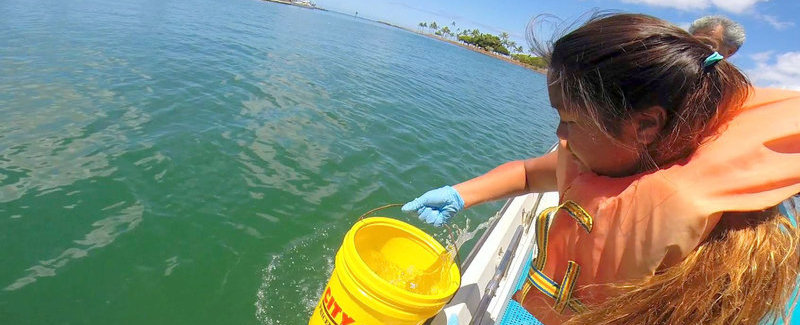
(250, 134)
(126, 218)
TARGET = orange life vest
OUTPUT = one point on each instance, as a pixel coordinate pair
(610, 230)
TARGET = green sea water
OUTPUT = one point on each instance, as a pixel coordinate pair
(176, 162)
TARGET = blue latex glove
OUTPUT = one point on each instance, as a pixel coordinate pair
(436, 206)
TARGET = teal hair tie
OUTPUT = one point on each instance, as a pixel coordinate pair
(712, 59)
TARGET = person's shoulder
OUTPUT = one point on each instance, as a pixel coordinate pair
(765, 96)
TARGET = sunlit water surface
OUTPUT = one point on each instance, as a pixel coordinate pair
(200, 161)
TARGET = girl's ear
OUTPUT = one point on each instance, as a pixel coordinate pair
(649, 123)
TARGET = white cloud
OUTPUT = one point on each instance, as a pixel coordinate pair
(782, 72)
(772, 20)
(761, 57)
(677, 4)
(734, 6)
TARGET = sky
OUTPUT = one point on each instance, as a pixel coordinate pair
(770, 56)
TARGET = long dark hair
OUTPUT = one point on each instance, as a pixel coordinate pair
(617, 64)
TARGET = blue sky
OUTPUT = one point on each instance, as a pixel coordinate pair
(770, 56)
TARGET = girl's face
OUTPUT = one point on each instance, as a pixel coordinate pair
(595, 149)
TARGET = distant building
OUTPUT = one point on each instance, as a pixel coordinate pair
(305, 3)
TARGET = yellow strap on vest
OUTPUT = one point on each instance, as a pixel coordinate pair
(564, 294)
(561, 293)
(579, 214)
(542, 229)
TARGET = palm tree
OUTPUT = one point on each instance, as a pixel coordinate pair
(422, 26)
(446, 31)
(511, 45)
(434, 26)
(504, 39)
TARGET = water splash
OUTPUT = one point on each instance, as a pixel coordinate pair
(461, 235)
(411, 278)
(300, 269)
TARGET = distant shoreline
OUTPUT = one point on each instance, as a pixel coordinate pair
(290, 3)
(472, 48)
(436, 37)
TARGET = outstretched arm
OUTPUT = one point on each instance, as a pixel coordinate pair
(510, 179)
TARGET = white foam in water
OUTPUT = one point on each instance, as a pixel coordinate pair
(277, 286)
(280, 283)
(463, 235)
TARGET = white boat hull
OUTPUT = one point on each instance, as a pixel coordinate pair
(481, 265)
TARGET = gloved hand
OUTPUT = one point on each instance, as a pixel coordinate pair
(436, 206)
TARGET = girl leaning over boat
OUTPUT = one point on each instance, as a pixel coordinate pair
(670, 170)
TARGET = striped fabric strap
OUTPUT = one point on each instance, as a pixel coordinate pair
(561, 293)
(564, 293)
(542, 229)
(536, 279)
(579, 214)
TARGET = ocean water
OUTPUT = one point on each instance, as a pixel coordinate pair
(174, 162)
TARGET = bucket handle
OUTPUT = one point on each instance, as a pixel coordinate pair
(378, 209)
(450, 231)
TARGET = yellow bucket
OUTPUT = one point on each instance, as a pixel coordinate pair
(357, 294)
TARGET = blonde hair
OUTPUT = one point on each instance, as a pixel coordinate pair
(745, 272)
